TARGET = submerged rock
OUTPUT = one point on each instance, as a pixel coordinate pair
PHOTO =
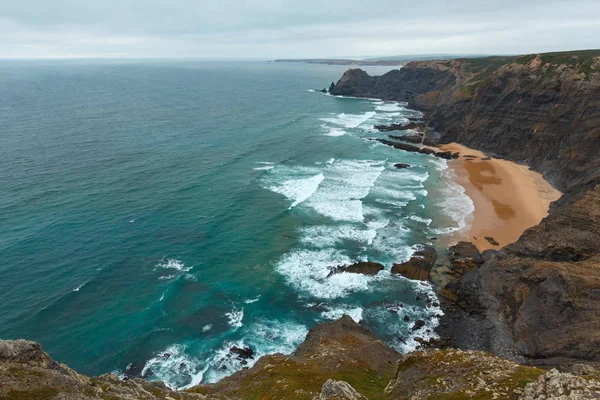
(419, 266)
(402, 165)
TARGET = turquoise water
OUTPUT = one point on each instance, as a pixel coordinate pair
(155, 213)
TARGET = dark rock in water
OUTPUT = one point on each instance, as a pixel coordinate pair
(402, 165)
(400, 146)
(418, 298)
(394, 308)
(395, 127)
(491, 240)
(427, 151)
(408, 138)
(419, 266)
(322, 90)
(418, 324)
(406, 318)
(331, 86)
(242, 353)
(362, 267)
(444, 154)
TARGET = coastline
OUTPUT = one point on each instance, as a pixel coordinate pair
(508, 198)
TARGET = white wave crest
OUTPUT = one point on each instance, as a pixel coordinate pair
(235, 317)
(299, 190)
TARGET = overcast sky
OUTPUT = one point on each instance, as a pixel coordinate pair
(267, 29)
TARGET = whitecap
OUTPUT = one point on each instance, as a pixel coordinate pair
(174, 367)
(346, 183)
(356, 313)
(207, 328)
(172, 263)
(235, 317)
(350, 120)
(389, 107)
(298, 190)
(250, 301)
(264, 337)
(308, 270)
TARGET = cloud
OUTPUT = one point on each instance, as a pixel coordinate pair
(277, 28)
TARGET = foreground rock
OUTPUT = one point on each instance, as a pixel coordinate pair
(339, 351)
(454, 374)
(339, 360)
(26, 372)
(557, 385)
(419, 266)
(338, 390)
(362, 267)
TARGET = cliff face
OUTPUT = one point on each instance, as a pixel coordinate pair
(543, 110)
(539, 297)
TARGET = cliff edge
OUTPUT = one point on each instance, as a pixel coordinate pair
(538, 299)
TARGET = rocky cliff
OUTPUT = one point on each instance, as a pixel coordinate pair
(537, 299)
(339, 360)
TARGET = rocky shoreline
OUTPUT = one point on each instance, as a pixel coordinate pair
(538, 299)
(511, 314)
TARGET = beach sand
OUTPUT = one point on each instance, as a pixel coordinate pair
(508, 197)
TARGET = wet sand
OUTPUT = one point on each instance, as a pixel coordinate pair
(508, 197)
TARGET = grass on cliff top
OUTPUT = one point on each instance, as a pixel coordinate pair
(483, 67)
(288, 379)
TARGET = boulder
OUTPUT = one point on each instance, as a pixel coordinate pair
(492, 241)
(418, 325)
(444, 154)
(338, 390)
(419, 266)
(242, 353)
(402, 165)
(426, 151)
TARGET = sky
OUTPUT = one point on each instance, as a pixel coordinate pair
(269, 29)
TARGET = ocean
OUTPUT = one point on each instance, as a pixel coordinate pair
(155, 213)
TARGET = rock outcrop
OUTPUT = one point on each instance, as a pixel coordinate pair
(26, 372)
(362, 267)
(419, 266)
(454, 374)
(341, 351)
(557, 385)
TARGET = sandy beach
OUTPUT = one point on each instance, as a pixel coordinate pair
(508, 197)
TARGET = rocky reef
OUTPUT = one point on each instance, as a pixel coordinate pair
(536, 300)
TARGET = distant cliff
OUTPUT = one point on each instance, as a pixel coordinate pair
(539, 298)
